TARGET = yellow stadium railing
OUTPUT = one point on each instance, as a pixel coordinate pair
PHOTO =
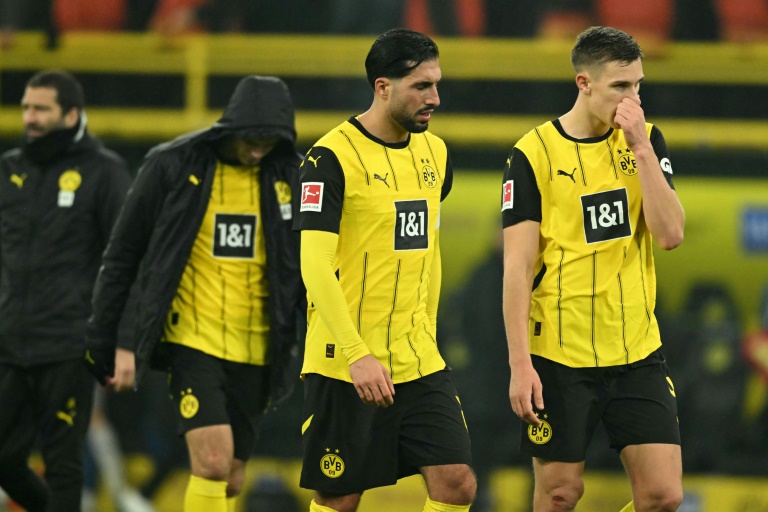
(196, 58)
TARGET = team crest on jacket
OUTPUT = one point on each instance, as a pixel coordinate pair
(283, 191)
(332, 464)
(189, 404)
(69, 181)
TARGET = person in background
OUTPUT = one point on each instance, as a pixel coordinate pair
(60, 194)
(206, 232)
(583, 199)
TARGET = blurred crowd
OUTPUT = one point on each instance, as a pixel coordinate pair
(650, 21)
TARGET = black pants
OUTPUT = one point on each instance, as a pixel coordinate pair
(52, 401)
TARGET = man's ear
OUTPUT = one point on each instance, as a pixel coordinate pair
(382, 87)
(583, 81)
(72, 117)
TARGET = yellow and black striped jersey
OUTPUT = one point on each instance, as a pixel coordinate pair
(595, 288)
(221, 304)
(383, 200)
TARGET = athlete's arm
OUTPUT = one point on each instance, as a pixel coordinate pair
(520, 253)
(521, 218)
(318, 249)
(370, 378)
(662, 210)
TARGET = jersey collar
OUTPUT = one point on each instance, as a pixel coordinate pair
(391, 145)
(588, 140)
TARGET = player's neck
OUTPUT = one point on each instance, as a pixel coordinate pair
(580, 123)
(381, 126)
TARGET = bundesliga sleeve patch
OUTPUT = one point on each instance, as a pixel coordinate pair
(506, 203)
(312, 197)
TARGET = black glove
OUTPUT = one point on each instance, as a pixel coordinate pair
(101, 363)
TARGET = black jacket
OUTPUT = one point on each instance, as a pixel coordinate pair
(162, 215)
(55, 220)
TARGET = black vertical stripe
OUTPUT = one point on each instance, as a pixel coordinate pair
(415, 167)
(223, 314)
(362, 294)
(391, 314)
(594, 281)
(391, 167)
(581, 164)
(623, 318)
(434, 160)
(613, 162)
(429, 334)
(642, 280)
(221, 183)
(546, 151)
(418, 368)
(250, 311)
(418, 291)
(359, 158)
(560, 297)
(194, 299)
(254, 185)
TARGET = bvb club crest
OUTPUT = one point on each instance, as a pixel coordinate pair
(541, 434)
(283, 191)
(428, 174)
(332, 465)
(189, 404)
(627, 162)
(69, 181)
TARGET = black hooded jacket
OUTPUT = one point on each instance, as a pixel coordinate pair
(162, 215)
(59, 198)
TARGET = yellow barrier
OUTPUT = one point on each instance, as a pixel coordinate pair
(196, 58)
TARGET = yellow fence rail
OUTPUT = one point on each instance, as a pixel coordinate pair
(196, 58)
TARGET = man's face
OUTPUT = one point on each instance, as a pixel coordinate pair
(41, 112)
(250, 150)
(611, 83)
(414, 97)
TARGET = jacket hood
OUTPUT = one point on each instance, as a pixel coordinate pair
(260, 106)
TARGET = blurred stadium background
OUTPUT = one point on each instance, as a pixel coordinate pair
(706, 88)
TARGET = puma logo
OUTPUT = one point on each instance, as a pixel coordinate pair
(384, 179)
(563, 173)
(18, 180)
(69, 419)
(314, 160)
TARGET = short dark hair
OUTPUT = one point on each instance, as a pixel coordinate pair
(398, 51)
(69, 92)
(599, 45)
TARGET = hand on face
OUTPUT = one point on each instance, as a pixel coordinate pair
(631, 119)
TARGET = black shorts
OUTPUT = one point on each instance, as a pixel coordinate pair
(350, 447)
(636, 403)
(211, 391)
